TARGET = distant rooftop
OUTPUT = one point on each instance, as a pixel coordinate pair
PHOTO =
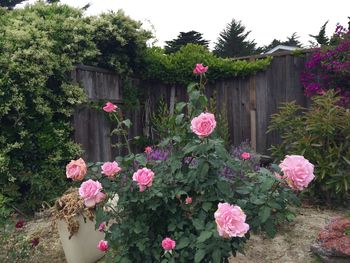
(281, 48)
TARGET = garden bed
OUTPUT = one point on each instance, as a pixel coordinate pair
(291, 244)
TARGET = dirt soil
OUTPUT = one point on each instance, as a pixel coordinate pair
(291, 245)
(292, 242)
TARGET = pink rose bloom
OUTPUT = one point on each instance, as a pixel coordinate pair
(148, 149)
(109, 107)
(90, 191)
(168, 244)
(297, 171)
(110, 168)
(76, 169)
(102, 227)
(144, 178)
(200, 69)
(102, 245)
(245, 155)
(188, 200)
(230, 221)
(203, 125)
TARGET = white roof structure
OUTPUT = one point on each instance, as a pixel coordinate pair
(281, 48)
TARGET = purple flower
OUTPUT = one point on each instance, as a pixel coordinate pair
(159, 155)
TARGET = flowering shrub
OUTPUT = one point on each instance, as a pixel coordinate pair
(321, 134)
(179, 208)
(329, 68)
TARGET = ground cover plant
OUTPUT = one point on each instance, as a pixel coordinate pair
(184, 206)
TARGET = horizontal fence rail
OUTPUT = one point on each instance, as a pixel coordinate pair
(247, 102)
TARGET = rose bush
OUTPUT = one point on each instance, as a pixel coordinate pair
(172, 202)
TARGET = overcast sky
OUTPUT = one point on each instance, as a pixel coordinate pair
(266, 20)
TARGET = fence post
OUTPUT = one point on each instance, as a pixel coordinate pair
(252, 107)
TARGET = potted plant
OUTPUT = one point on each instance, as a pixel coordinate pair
(76, 227)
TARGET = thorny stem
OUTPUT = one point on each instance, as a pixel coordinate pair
(124, 135)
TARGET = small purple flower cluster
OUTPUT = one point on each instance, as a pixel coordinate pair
(159, 154)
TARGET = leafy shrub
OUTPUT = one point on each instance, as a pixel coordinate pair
(321, 134)
(40, 45)
(176, 68)
(191, 170)
(121, 42)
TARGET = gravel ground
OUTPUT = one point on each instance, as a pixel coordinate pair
(291, 245)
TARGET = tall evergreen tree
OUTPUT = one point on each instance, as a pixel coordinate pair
(321, 37)
(184, 38)
(233, 42)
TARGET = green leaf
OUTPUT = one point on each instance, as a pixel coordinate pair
(203, 169)
(180, 106)
(224, 187)
(270, 228)
(127, 123)
(198, 224)
(179, 118)
(200, 254)
(206, 206)
(264, 213)
(267, 184)
(141, 159)
(205, 235)
(216, 256)
(184, 242)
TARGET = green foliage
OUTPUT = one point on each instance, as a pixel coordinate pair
(321, 38)
(40, 45)
(184, 38)
(141, 220)
(321, 134)
(177, 68)
(121, 42)
(233, 42)
(38, 99)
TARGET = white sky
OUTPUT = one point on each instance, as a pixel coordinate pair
(266, 20)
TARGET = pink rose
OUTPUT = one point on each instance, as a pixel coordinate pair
(102, 245)
(297, 171)
(203, 125)
(90, 191)
(200, 69)
(102, 227)
(76, 169)
(230, 221)
(110, 168)
(245, 155)
(168, 244)
(109, 107)
(188, 200)
(148, 149)
(144, 178)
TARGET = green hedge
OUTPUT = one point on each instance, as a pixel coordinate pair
(177, 68)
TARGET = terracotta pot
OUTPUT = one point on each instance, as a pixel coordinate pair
(82, 247)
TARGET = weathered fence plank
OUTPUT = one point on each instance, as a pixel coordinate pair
(248, 103)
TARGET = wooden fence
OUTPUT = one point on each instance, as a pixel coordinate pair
(248, 102)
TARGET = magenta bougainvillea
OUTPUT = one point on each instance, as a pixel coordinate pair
(329, 67)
